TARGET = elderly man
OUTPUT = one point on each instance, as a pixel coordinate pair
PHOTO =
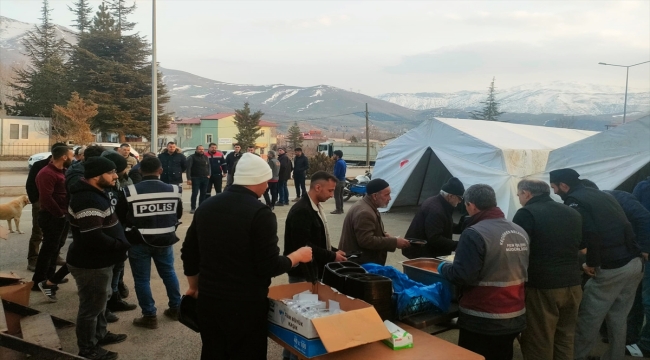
(613, 261)
(125, 150)
(490, 265)
(553, 290)
(235, 267)
(363, 229)
(434, 222)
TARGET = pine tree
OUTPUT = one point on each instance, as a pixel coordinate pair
(112, 70)
(39, 85)
(248, 126)
(491, 109)
(82, 11)
(119, 10)
(295, 137)
(72, 121)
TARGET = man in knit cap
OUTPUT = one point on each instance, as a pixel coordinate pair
(236, 266)
(613, 262)
(363, 229)
(98, 243)
(434, 222)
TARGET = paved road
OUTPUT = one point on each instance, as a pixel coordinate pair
(172, 340)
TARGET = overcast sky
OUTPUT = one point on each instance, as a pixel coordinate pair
(382, 46)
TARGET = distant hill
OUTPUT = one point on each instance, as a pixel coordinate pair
(192, 95)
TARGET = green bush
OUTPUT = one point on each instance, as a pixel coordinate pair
(320, 162)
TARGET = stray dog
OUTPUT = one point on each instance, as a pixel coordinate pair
(13, 210)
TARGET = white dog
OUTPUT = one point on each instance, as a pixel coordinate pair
(13, 210)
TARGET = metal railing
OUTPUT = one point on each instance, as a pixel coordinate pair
(23, 149)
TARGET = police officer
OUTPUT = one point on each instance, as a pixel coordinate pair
(154, 209)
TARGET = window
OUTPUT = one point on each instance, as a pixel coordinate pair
(261, 132)
(25, 134)
(208, 138)
(188, 133)
(261, 151)
(13, 131)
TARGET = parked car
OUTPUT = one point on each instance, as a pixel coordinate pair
(108, 146)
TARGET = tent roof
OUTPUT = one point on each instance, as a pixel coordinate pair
(517, 136)
(500, 154)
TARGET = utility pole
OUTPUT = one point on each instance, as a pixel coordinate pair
(367, 139)
(154, 84)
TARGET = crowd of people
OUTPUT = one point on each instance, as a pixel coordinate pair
(562, 276)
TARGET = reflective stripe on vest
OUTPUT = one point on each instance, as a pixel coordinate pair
(154, 213)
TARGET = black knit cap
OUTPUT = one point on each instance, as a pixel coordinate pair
(118, 159)
(375, 186)
(567, 176)
(96, 166)
(453, 186)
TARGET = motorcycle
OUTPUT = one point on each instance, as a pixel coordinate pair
(356, 186)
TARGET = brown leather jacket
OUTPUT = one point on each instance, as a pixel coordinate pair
(363, 231)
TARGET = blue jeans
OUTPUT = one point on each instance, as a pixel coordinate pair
(118, 275)
(140, 256)
(200, 187)
(94, 289)
(644, 341)
(283, 192)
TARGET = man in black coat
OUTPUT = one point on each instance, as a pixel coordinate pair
(434, 222)
(286, 167)
(198, 176)
(553, 290)
(613, 261)
(231, 161)
(235, 267)
(300, 167)
(306, 225)
(173, 163)
(32, 193)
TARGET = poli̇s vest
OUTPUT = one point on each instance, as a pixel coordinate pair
(153, 207)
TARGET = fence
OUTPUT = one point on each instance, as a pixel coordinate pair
(23, 149)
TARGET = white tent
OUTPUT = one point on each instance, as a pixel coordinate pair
(500, 154)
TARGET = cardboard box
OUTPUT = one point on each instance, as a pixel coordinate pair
(359, 324)
(400, 338)
(19, 294)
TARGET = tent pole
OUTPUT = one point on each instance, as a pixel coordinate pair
(426, 171)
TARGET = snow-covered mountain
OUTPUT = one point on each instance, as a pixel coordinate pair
(555, 98)
(13, 31)
(192, 95)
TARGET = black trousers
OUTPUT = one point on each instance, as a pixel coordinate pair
(299, 182)
(233, 330)
(55, 233)
(271, 194)
(216, 181)
(492, 347)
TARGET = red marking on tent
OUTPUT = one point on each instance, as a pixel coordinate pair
(403, 162)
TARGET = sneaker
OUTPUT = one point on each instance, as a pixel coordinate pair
(171, 313)
(110, 317)
(335, 212)
(149, 322)
(279, 204)
(296, 199)
(192, 211)
(123, 290)
(635, 351)
(31, 265)
(98, 353)
(63, 281)
(48, 290)
(111, 338)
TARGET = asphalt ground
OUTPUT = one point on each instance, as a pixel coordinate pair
(173, 340)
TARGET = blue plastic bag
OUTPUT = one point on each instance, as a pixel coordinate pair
(406, 289)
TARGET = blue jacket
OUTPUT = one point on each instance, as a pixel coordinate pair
(642, 193)
(339, 169)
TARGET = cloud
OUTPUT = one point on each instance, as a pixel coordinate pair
(305, 24)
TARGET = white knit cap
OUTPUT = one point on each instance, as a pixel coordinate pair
(251, 170)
